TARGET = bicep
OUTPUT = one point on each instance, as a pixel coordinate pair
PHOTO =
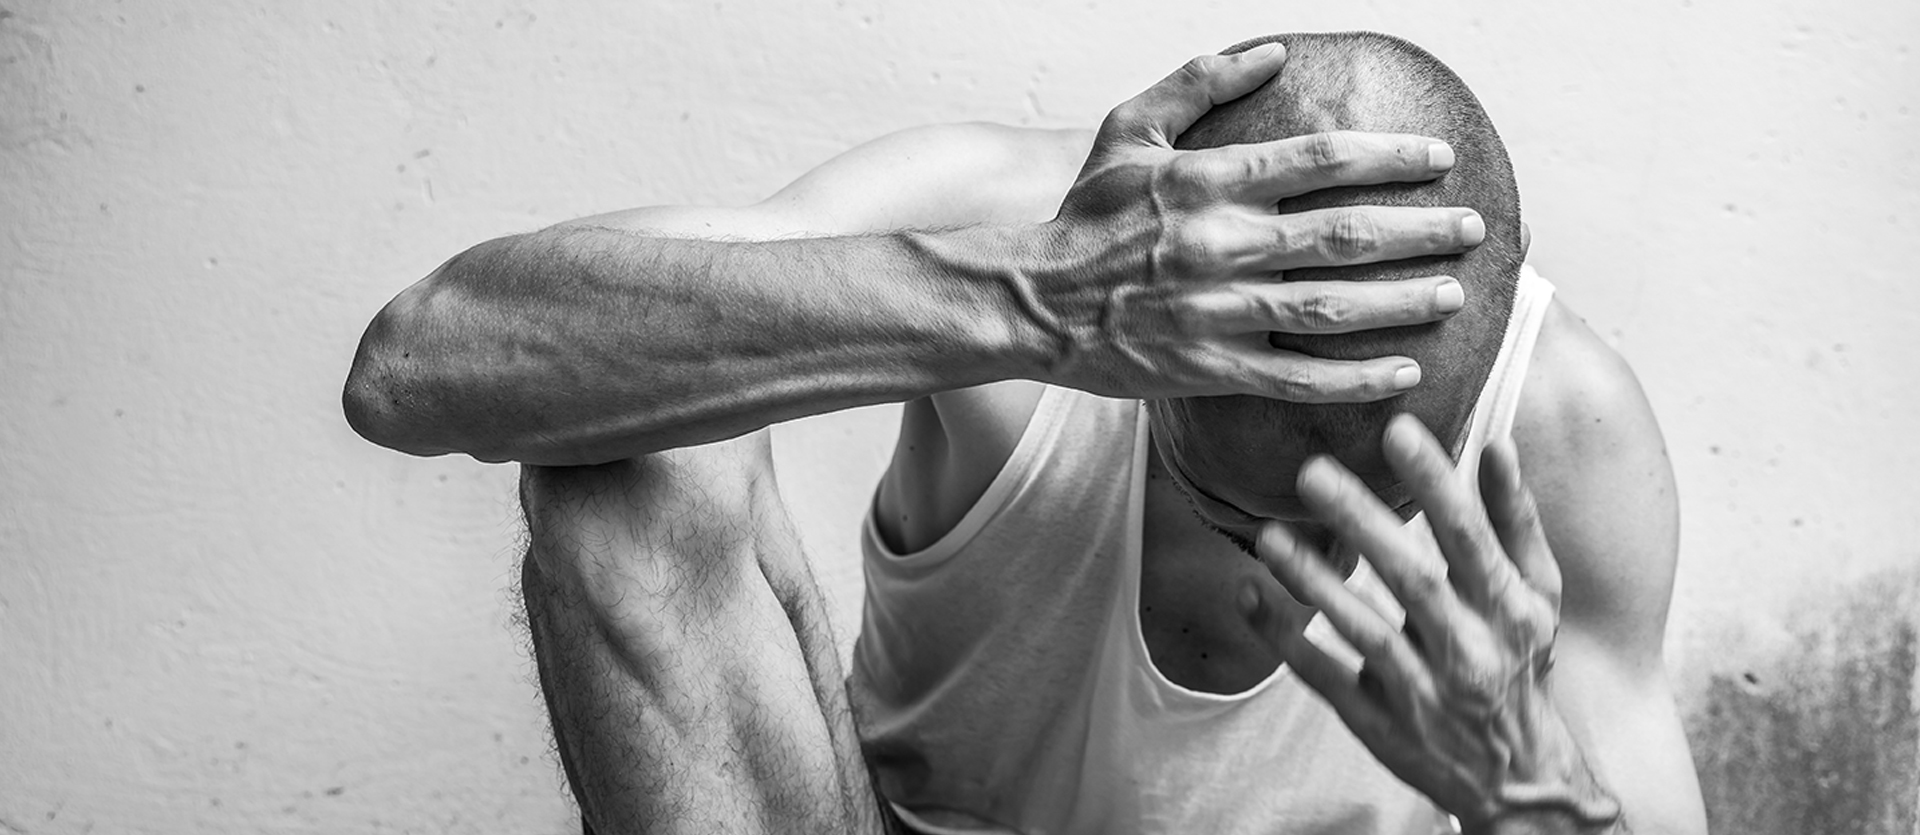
(1595, 459)
(919, 178)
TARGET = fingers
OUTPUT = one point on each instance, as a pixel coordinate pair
(1479, 568)
(1418, 580)
(1317, 307)
(1268, 172)
(1265, 371)
(1168, 108)
(1355, 235)
(1248, 243)
(1308, 578)
(1516, 519)
(1362, 713)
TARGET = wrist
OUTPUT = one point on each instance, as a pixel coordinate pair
(1582, 807)
(997, 274)
(1550, 822)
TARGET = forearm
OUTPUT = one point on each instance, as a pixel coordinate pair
(579, 345)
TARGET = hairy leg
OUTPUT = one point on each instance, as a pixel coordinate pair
(684, 652)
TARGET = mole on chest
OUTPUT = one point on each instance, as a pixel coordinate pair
(1190, 581)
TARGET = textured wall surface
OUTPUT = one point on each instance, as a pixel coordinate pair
(220, 611)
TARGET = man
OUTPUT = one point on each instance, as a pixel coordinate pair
(1056, 639)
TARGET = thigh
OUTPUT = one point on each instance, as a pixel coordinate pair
(684, 651)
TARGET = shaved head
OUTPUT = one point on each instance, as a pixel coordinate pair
(1245, 451)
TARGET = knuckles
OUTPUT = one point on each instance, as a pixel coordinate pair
(1199, 69)
(1539, 625)
(1350, 235)
(1123, 119)
(1424, 581)
(1478, 668)
(1374, 644)
(1299, 384)
(1192, 176)
(1329, 153)
(1254, 168)
(1320, 310)
(1459, 526)
(1197, 249)
(1483, 684)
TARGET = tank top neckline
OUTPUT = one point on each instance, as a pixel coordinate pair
(1132, 630)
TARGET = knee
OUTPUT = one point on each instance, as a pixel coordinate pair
(716, 478)
(556, 500)
(658, 524)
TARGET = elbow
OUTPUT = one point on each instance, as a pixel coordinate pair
(371, 408)
(386, 395)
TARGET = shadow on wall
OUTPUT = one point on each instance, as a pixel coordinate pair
(1821, 735)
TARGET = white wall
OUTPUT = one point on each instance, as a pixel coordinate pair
(220, 611)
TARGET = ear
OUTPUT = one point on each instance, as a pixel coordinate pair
(1526, 239)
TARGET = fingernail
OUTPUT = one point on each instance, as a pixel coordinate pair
(1278, 543)
(1447, 299)
(1317, 476)
(1440, 156)
(1267, 50)
(1400, 436)
(1473, 230)
(1407, 377)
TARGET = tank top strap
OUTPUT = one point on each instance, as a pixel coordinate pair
(1500, 397)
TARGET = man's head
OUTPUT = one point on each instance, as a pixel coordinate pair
(1241, 454)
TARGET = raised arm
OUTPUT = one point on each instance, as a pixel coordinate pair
(604, 339)
(611, 336)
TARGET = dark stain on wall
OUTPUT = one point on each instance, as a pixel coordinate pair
(1821, 739)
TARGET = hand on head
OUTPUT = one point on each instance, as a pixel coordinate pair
(1244, 450)
(1162, 273)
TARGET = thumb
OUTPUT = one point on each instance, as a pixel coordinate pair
(1167, 109)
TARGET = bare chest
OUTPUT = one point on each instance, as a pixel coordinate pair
(1190, 581)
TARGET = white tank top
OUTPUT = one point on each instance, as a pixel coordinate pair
(1002, 683)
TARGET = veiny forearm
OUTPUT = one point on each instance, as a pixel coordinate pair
(580, 345)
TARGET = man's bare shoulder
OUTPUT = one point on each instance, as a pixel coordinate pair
(1594, 456)
(940, 176)
(1595, 460)
(1579, 391)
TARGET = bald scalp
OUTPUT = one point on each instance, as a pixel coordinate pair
(1362, 81)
